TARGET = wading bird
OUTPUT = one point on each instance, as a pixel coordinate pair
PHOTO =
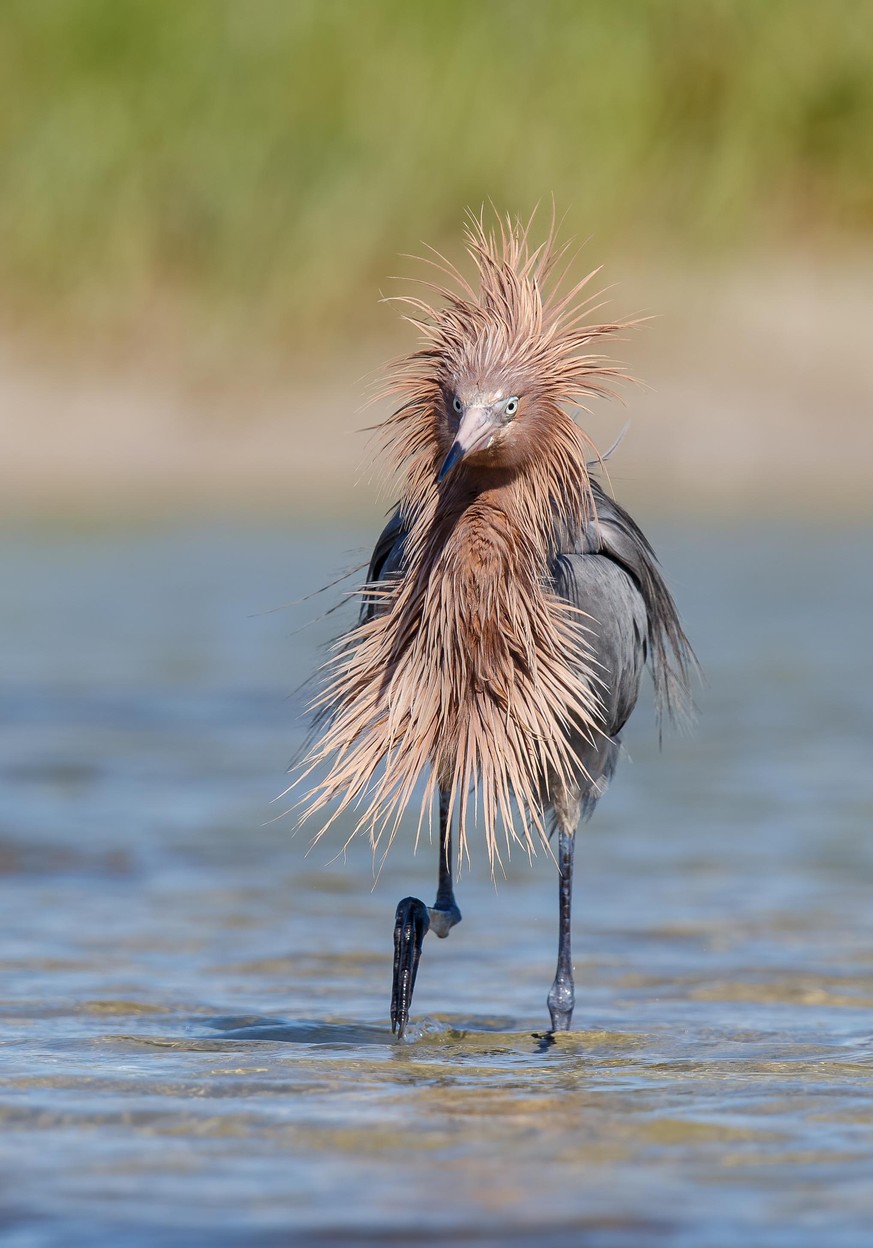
(511, 604)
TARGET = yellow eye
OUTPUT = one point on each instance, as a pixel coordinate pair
(511, 406)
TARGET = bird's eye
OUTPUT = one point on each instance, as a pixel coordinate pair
(457, 405)
(511, 406)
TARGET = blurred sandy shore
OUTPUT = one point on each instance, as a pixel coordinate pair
(758, 397)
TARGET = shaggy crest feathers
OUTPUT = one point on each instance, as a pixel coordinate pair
(518, 327)
(465, 665)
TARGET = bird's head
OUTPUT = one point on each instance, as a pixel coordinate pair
(503, 358)
(480, 424)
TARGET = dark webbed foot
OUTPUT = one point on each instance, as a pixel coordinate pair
(414, 920)
(411, 923)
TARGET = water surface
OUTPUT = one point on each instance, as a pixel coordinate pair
(195, 1046)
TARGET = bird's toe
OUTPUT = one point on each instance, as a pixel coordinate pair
(411, 923)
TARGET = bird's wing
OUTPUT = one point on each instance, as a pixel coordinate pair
(615, 535)
(614, 620)
(386, 559)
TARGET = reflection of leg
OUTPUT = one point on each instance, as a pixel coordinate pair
(562, 996)
(414, 919)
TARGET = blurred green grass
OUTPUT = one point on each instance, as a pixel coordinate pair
(260, 165)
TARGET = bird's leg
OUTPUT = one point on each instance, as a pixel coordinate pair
(414, 919)
(562, 995)
(444, 912)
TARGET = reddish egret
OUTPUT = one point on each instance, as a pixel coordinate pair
(511, 604)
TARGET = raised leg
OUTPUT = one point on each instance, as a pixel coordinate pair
(562, 996)
(414, 920)
(444, 912)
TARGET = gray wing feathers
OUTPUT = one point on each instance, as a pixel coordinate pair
(616, 633)
(671, 659)
(616, 627)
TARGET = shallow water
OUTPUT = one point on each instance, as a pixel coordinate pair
(195, 1045)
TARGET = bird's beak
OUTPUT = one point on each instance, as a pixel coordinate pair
(474, 433)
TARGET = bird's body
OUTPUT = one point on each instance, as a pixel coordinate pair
(511, 604)
(609, 574)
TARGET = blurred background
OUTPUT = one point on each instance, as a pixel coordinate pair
(202, 204)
